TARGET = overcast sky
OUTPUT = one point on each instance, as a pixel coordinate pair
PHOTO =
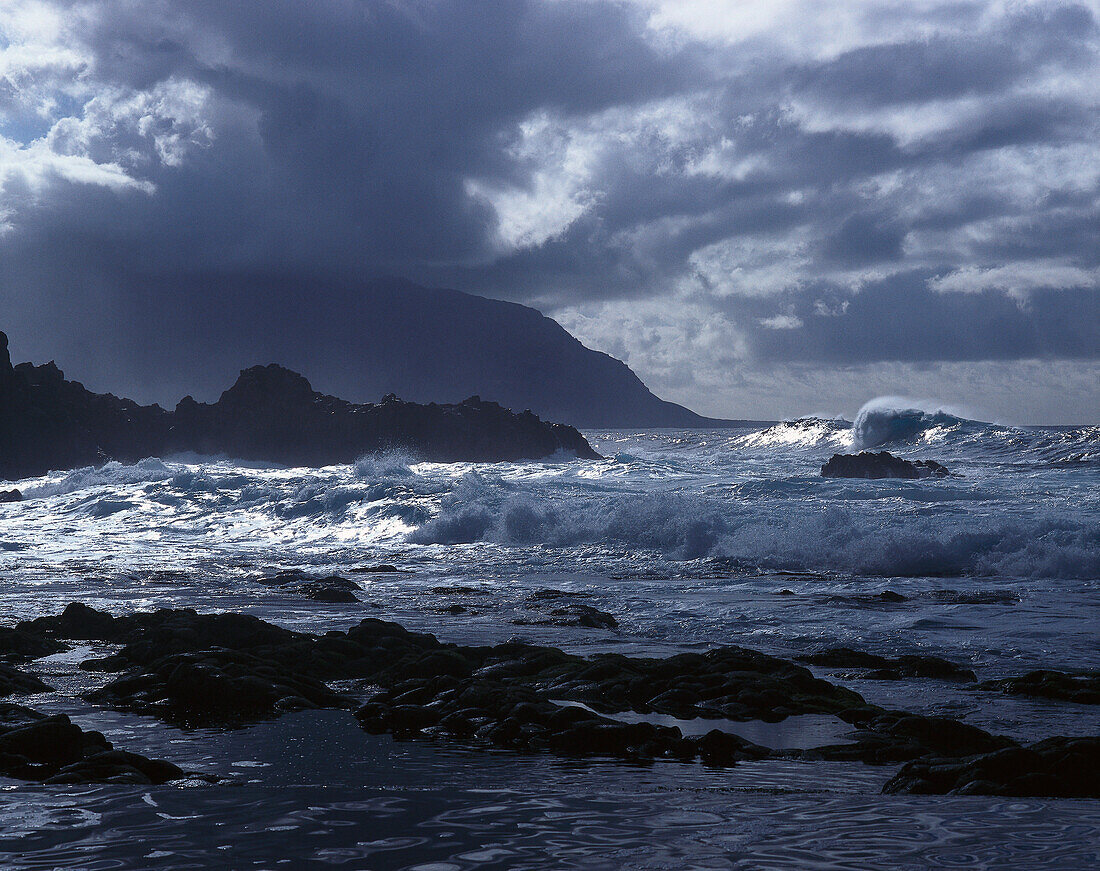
(765, 208)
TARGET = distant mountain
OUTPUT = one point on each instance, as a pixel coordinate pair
(440, 345)
(269, 414)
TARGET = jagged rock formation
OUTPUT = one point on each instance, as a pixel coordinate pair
(270, 414)
(868, 464)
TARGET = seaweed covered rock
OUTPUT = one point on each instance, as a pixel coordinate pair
(868, 464)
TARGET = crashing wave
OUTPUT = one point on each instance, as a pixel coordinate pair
(889, 419)
(803, 432)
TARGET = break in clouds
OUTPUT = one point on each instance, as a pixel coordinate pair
(765, 208)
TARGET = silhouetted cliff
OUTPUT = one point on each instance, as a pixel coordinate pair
(270, 414)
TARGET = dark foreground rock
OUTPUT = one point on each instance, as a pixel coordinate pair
(53, 750)
(270, 414)
(1056, 767)
(883, 737)
(10, 496)
(868, 464)
(230, 669)
(1081, 687)
(873, 667)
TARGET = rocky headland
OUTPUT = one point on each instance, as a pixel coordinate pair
(269, 415)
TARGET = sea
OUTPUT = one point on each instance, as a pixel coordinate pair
(689, 538)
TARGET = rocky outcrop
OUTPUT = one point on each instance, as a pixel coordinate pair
(1057, 767)
(270, 414)
(868, 464)
(230, 670)
(870, 666)
(1080, 687)
(55, 750)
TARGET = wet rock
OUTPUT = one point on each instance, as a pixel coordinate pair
(868, 464)
(722, 749)
(214, 687)
(562, 612)
(1081, 687)
(885, 737)
(381, 568)
(17, 645)
(331, 589)
(885, 668)
(10, 496)
(16, 683)
(551, 594)
(1057, 767)
(53, 749)
(77, 622)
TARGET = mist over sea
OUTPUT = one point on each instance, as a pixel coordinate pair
(690, 539)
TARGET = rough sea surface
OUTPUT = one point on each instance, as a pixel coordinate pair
(689, 538)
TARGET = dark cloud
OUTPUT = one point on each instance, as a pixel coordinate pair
(903, 319)
(228, 160)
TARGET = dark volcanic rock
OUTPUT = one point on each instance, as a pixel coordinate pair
(10, 496)
(270, 414)
(885, 737)
(17, 645)
(884, 668)
(1056, 767)
(332, 589)
(214, 686)
(56, 750)
(228, 669)
(1081, 687)
(15, 683)
(868, 464)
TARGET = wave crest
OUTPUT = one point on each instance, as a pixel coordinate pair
(890, 419)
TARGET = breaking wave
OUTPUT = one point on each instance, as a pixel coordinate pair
(778, 537)
(888, 420)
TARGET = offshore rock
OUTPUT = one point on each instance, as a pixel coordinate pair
(868, 464)
(10, 496)
(874, 667)
(269, 415)
(1080, 687)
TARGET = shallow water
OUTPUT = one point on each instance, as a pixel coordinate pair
(690, 539)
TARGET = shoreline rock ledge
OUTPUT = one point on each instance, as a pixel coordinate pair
(270, 414)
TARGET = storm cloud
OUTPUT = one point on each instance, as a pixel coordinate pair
(721, 193)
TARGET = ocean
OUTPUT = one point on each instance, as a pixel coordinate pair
(689, 539)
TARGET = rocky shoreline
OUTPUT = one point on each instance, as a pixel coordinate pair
(230, 670)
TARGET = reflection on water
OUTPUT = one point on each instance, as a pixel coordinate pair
(311, 789)
(260, 827)
(801, 732)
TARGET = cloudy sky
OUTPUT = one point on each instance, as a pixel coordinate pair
(766, 208)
